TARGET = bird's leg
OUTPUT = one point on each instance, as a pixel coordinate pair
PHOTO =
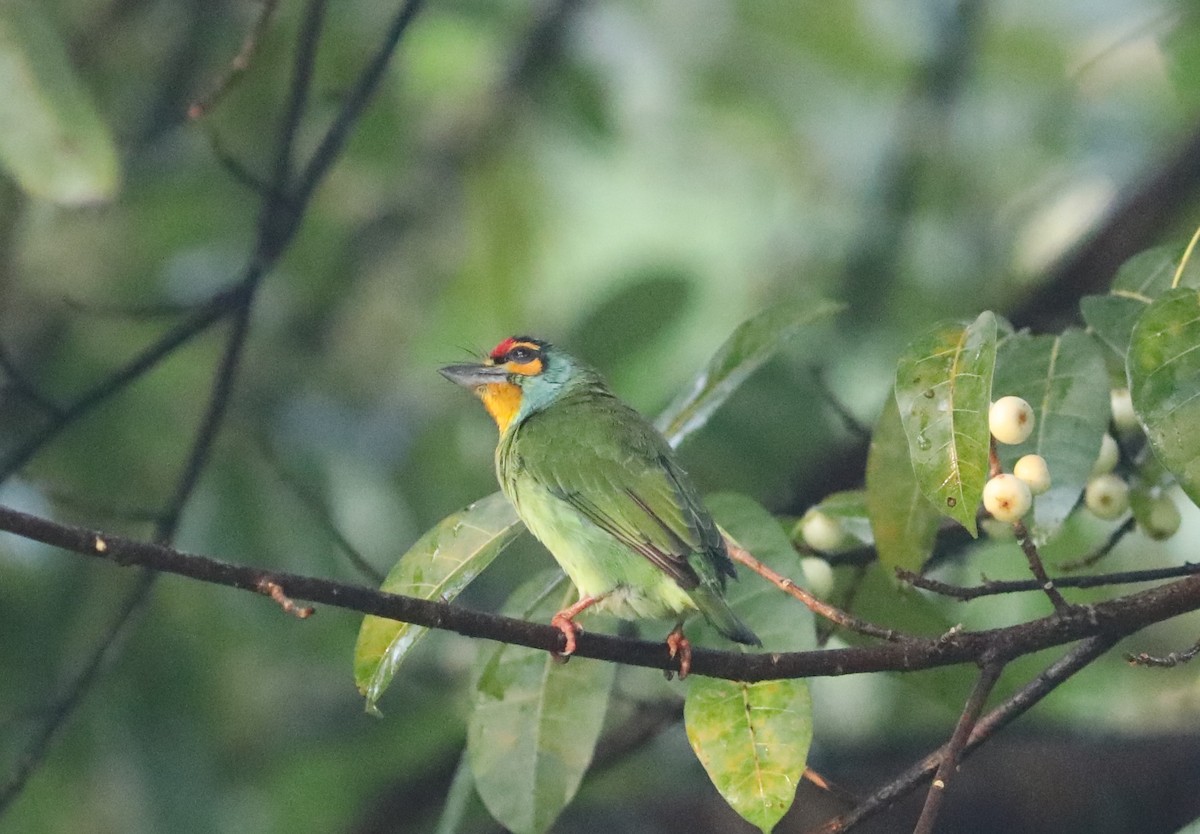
(679, 645)
(564, 621)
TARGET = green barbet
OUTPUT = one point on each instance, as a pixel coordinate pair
(597, 484)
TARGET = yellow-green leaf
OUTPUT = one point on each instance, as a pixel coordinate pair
(52, 140)
(438, 566)
(1164, 381)
(753, 342)
(943, 390)
(535, 724)
(903, 520)
(753, 740)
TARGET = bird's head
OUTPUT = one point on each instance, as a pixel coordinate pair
(520, 376)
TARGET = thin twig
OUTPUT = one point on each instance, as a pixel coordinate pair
(851, 423)
(826, 629)
(952, 750)
(1166, 661)
(993, 587)
(238, 66)
(64, 705)
(1003, 714)
(1114, 538)
(23, 386)
(1039, 570)
(821, 609)
(317, 510)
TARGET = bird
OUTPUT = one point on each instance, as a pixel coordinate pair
(601, 489)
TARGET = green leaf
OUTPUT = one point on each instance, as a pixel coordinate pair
(781, 622)
(535, 724)
(52, 140)
(751, 344)
(753, 740)
(903, 520)
(1064, 379)
(943, 390)
(442, 562)
(1164, 381)
(1140, 280)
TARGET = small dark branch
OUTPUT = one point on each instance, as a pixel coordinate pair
(1039, 570)
(238, 66)
(234, 167)
(271, 589)
(129, 312)
(218, 404)
(996, 586)
(994, 465)
(650, 720)
(199, 321)
(360, 95)
(22, 386)
(1165, 661)
(953, 750)
(1003, 714)
(319, 512)
(824, 784)
(851, 423)
(298, 91)
(1113, 540)
(64, 706)
(821, 609)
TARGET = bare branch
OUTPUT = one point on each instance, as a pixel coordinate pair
(238, 66)
(1039, 570)
(952, 751)
(996, 586)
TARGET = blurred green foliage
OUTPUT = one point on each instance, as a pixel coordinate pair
(636, 192)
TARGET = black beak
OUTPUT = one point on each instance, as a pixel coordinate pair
(472, 376)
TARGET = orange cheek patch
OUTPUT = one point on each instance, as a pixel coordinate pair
(502, 400)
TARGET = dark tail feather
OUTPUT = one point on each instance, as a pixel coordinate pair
(714, 608)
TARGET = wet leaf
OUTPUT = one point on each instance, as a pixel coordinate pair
(535, 724)
(751, 344)
(943, 390)
(1064, 379)
(1164, 381)
(753, 740)
(442, 562)
(903, 520)
(52, 139)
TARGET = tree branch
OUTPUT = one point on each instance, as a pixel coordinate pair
(1112, 619)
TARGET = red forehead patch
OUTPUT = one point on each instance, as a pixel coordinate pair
(501, 350)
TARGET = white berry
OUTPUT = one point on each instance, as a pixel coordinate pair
(1163, 519)
(1007, 498)
(818, 575)
(1010, 420)
(822, 531)
(1110, 453)
(1123, 414)
(1107, 496)
(1033, 471)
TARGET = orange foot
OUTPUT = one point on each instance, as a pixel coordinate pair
(563, 622)
(677, 644)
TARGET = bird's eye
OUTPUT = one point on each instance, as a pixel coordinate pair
(520, 355)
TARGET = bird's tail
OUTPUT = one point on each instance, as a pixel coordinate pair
(717, 611)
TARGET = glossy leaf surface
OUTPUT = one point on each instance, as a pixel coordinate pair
(1064, 379)
(442, 562)
(536, 721)
(751, 344)
(903, 520)
(943, 391)
(753, 740)
(1164, 381)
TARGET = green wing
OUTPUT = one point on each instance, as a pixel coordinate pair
(608, 462)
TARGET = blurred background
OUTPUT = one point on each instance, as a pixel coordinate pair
(630, 179)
